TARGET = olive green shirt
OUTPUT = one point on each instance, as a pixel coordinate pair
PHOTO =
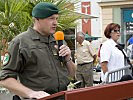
(34, 59)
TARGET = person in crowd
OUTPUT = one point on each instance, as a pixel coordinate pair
(33, 57)
(130, 48)
(130, 41)
(130, 52)
(111, 58)
(85, 58)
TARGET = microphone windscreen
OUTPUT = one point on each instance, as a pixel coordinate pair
(59, 35)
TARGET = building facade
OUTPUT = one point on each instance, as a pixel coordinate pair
(91, 25)
(118, 11)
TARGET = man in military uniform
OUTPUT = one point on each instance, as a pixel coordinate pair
(33, 58)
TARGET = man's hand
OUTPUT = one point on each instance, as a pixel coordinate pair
(37, 94)
(21, 90)
(65, 52)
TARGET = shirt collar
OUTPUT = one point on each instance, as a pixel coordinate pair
(37, 36)
(113, 42)
(82, 43)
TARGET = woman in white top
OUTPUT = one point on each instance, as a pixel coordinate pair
(111, 58)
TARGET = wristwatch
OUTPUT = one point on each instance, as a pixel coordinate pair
(69, 60)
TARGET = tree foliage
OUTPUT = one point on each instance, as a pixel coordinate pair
(15, 16)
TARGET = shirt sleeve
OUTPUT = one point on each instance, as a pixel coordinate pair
(105, 52)
(91, 49)
(13, 63)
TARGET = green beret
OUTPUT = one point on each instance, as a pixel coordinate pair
(44, 9)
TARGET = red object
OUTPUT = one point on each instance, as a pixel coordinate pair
(86, 23)
(114, 91)
(99, 51)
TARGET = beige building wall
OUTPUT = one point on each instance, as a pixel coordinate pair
(106, 18)
(108, 14)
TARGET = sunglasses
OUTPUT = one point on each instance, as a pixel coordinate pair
(118, 31)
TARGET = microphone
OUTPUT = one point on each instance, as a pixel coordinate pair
(59, 36)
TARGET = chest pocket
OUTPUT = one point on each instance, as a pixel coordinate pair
(116, 53)
(37, 53)
(85, 51)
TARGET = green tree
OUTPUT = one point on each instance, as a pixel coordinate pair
(15, 17)
(12, 20)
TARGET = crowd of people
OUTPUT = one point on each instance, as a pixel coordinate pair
(32, 65)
